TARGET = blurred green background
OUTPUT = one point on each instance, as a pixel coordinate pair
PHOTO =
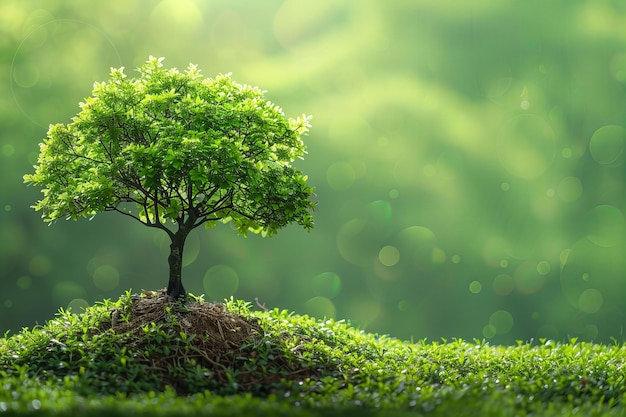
(468, 159)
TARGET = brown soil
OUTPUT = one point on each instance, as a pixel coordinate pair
(221, 329)
(225, 346)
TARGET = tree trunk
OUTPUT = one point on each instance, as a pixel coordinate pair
(175, 289)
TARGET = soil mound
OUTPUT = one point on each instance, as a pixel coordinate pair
(174, 338)
(219, 328)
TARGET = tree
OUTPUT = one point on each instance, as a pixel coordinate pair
(175, 151)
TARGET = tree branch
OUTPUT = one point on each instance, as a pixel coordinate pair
(157, 225)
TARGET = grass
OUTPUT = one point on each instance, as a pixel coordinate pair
(141, 355)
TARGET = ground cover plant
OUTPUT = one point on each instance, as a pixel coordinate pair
(147, 355)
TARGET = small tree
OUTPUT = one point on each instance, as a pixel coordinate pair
(175, 151)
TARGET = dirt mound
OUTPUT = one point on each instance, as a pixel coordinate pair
(176, 340)
(218, 327)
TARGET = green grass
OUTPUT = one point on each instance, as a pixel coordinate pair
(288, 365)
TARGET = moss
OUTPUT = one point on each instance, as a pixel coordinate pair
(145, 355)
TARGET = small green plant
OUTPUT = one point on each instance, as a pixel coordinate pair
(175, 151)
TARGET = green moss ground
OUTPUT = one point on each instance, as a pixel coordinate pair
(140, 356)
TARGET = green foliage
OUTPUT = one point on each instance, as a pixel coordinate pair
(322, 368)
(179, 148)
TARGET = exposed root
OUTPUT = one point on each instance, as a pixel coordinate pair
(220, 349)
(220, 328)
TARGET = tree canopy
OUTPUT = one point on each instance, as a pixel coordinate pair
(175, 151)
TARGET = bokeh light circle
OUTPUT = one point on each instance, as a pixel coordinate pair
(327, 284)
(569, 189)
(320, 307)
(65, 291)
(192, 249)
(340, 176)
(475, 287)
(39, 265)
(605, 226)
(590, 301)
(502, 321)
(389, 255)
(503, 284)
(220, 282)
(78, 305)
(543, 267)
(106, 277)
(607, 144)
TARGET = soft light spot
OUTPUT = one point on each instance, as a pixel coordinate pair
(524, 104)
(393, 194)
(65, 291)
(505, 186)
(590, 301)
(78, 305)
(340, 176)
(503, 284)
(389, 255)
(569, 189)
(618, 67)
(566, 153)
(380, 211)
(475, 287)
(182, 14)
(550, 192)
(8, 150)
(40, 265)
(543, 268)
(607, 144)
(504, 263)
(456, 259)
(320, 307)
(438, 256)
(24, 282)
(220, 282)
(362, 309)
(192, 249)
(350, 242)
(502, 321)
(416, 236)
(489, 331)
(327, 284)
(403, 305)
(106, 277)
(605, 226)
(429, 170)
